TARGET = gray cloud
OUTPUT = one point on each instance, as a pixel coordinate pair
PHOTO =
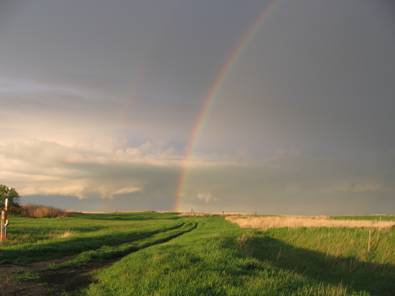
(98, 100)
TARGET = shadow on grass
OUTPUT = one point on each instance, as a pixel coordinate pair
(75, 277)
(30, 235)
(130, 216)
(48, 231)
(377, 279)
(71, 246)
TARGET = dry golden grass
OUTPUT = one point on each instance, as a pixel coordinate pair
(303, 221)
(66, 234)
(36, 211)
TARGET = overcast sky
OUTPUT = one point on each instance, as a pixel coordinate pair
(98, 100)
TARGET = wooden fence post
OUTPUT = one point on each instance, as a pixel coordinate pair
(4, 221)
(2, 234)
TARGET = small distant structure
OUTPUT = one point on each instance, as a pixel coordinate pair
(4, 221)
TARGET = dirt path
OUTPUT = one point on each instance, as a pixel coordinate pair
(45, 281)
(11, 287)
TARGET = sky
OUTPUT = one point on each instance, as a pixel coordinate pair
(270, 107)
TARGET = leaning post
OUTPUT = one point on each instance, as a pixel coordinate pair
(4, 221)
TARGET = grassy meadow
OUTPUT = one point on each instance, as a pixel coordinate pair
(167, 254)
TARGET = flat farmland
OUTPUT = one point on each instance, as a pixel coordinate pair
(170, 254)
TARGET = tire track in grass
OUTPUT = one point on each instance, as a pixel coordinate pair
(76, 273)
(44, 252)
(71, 272)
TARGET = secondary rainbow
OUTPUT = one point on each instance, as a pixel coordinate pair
(215, 87)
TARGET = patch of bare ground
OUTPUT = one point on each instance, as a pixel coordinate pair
(17, 279)
(14, 280)
(266, 222)
(10, 286)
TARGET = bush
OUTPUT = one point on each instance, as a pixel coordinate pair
(37, 211)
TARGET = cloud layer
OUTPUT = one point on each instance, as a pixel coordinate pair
(98, 101)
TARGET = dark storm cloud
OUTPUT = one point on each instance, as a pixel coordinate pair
(98, 100)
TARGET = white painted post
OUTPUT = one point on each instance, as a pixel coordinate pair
(4, 221)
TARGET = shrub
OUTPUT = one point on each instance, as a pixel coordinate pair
(38, 211)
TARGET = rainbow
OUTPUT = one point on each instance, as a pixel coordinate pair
(212, 92)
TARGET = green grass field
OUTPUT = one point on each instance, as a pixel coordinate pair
(166, 254)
